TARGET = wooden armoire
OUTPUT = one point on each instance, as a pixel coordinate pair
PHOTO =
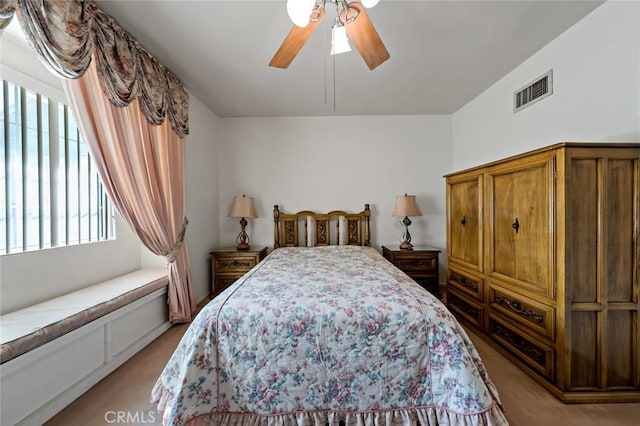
(542, 252)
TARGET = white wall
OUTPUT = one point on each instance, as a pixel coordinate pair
(596, 92)
(327, 163)
(201, 168)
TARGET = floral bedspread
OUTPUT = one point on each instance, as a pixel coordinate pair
(313, 336)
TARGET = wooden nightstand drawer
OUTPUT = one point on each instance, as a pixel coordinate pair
(229, 264)
(233, 263)
(221, 283)
(430, 282)
(417, 262)
(421, 264)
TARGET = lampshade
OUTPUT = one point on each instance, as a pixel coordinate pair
(369, 3)
(406, 206)
(339, 39)
(300, 10)
(243, 207)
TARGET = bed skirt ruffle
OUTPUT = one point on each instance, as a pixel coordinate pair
(421, 416)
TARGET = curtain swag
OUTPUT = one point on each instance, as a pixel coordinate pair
(7, 8)
(65, 34)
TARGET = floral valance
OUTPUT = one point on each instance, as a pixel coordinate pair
(67, 34)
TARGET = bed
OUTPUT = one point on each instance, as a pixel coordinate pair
(325, 331)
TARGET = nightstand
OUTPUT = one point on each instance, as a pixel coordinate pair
(421, 264)
(229, 264)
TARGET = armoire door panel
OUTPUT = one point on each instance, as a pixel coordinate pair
(621, 193)
(584, 350)
(465, 225)
(620, 355)
(532, 226)
(582, 229)
(503, 241)
(522, 226)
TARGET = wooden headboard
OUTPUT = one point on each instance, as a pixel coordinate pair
(316, 228)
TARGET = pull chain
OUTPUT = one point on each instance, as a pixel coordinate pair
(324, 68)
(334, 83)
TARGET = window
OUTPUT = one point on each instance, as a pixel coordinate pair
(50, 193)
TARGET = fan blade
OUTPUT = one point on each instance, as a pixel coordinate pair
(294, 41)
(365, 38)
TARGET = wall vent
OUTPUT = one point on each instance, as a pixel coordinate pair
(533, 92)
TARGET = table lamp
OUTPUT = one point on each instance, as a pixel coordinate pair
(406, 206)
(243, 207)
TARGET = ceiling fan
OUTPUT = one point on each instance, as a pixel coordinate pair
(351, 19)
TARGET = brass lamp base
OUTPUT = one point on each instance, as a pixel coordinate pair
(242, 241)
(405, 245)
(406, 236)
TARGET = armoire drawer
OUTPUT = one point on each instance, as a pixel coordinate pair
(465, 283)
(533, 352)
(466, 309)
(534, 316)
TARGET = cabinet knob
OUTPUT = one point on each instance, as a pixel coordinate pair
(516, 225)
(464, 220)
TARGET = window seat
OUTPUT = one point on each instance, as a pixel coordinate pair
(70, 343)
(26, 329)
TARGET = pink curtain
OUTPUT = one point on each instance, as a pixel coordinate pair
(142, 168)
(133, 114)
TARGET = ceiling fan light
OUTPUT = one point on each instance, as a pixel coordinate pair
(300, 10)
(339, 40)
(369, 3)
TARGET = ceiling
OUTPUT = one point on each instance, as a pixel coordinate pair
(443, 53)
